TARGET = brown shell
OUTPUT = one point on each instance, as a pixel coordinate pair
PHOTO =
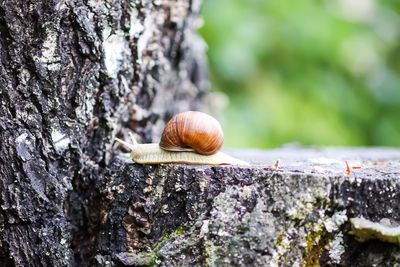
(193, 129)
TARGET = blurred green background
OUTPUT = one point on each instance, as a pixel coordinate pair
(316, 72)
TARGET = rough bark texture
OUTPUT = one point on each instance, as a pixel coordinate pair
(73, 75)
(296, 215)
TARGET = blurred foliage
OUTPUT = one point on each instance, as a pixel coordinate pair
(317, 72)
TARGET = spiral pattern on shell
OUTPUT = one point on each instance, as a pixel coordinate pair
(193, 129)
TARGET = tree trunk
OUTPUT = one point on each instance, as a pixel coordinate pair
(74, 75)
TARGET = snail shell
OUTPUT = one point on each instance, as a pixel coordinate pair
(192, 131)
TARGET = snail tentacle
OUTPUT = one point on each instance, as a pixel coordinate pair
(134, 142)
(128, 145)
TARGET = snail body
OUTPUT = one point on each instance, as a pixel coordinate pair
(179, 145)
(153, 154)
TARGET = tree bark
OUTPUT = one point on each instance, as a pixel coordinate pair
(298, 213)
(74, 75)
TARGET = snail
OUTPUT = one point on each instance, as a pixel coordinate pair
(190, 137)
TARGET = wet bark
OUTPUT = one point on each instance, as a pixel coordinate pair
(74, 75)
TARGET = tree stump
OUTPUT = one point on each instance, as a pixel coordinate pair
(307, 210)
